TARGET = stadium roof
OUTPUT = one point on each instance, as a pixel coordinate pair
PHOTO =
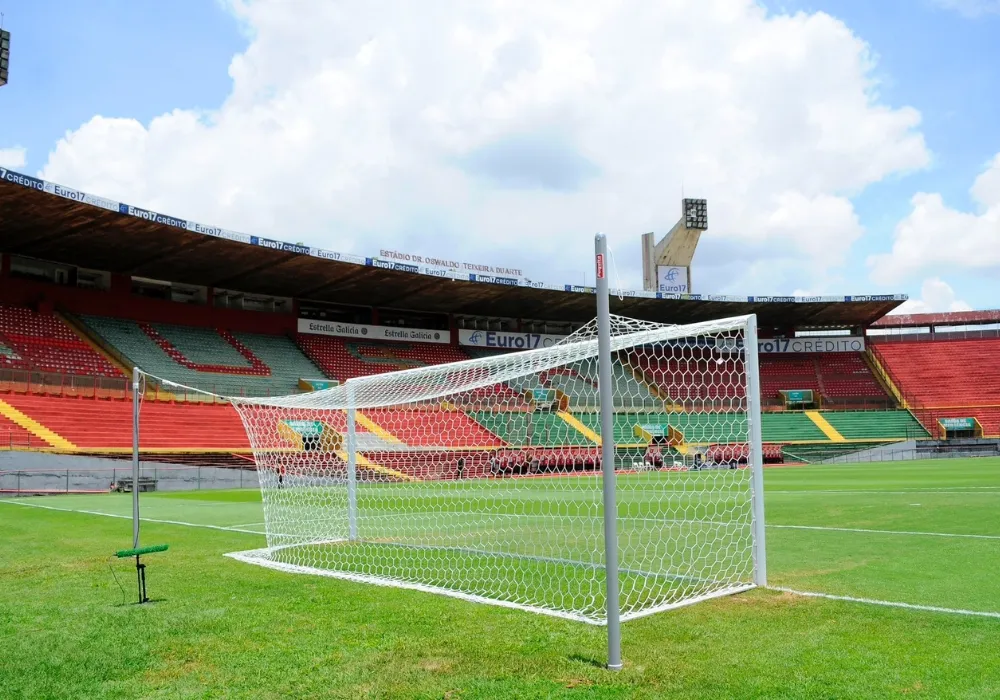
(47, 221)
(948, 318)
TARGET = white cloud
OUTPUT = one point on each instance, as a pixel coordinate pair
(971, 8)
(936, 295)
(13, 157)
(512, 131)
(934, 236)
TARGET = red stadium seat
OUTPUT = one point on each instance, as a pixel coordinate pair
(43, 343)
(947, 379)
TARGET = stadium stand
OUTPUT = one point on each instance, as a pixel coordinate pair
(98, 425)
(582, 394)
(236, 364)
(343, 359)
(12, 435)
(875, 425)
(947, 378)
(705, 428)
(42, 342)
(632, 393)
(838, 377)
(846, 376)
(420, 428)
(790, 427)
(540, 428)
(779, 372)
(718, 379)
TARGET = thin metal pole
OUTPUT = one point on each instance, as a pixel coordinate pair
(756, 451)
(352, 469)
(607, 401)
(135, 457)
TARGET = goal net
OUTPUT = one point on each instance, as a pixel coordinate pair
(482, 479)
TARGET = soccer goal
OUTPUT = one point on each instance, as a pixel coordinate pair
(546, 480)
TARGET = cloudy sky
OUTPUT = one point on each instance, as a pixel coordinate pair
(845, 146)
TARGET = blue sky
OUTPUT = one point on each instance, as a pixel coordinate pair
(72, 60)
(944, 63)
(125, 58)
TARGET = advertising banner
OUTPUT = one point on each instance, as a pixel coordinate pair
(359, 331)
(672, 279)
(771, 346)
(504, 340)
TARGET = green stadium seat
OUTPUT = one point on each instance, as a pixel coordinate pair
(209, 359)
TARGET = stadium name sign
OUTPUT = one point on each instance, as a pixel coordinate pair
(360, 331)
(449, 264)
(772, 346)
(507, 341)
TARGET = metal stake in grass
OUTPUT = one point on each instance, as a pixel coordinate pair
(137, 551)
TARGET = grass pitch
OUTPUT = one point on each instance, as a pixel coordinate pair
(919, 533)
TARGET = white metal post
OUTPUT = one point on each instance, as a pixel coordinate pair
(136, 375)
(607, 402)
(352, 468)
(756, 450)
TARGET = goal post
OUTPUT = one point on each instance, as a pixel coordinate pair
(622, 463)
(608, 445)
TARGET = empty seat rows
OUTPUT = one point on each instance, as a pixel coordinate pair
(875, 425)
(41, 342)
(948, 379)
(234, 364)
(343, 359)
(108, 424)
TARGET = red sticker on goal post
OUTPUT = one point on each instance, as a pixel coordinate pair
(600, 266)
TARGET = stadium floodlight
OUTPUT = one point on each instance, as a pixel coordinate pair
(534, 480)
(696, 214)
(4, 56)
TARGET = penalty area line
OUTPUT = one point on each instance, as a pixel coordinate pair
(129, 517)
(889, 603)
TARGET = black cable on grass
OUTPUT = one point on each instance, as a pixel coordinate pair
(115, 575)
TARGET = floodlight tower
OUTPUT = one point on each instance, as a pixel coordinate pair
(4, 56)
(4, 52)
(666, 266)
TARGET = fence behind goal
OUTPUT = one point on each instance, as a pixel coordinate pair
(482, 479)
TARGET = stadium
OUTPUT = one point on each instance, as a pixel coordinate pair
(880, 434)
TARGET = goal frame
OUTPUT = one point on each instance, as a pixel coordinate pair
(746, 325)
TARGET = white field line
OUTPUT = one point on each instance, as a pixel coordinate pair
(915, 533)
(810, 594)
(889, 603)
(242, 527)
(129, 517)
(985, 490)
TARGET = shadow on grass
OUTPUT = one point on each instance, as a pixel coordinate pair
(589, 660)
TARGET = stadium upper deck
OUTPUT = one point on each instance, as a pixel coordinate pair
(47, 221)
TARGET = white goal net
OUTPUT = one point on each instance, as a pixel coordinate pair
(482, 479)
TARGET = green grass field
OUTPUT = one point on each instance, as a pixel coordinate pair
(920, 533)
